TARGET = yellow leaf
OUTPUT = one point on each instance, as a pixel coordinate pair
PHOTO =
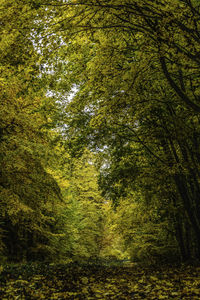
(174, 293)
(153, 278)
(162, 297)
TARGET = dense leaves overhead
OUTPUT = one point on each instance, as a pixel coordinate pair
(113, 86)
(135, 67)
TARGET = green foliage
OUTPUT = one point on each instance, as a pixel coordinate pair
(27, 192)
(134, 68)
(112, 244)
(121, 80)
(146, 233)
(80, 217)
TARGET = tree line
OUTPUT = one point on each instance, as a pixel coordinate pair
(100, 103)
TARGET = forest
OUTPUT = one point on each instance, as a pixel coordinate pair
(99, 149)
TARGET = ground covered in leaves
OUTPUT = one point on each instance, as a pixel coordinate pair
(92, 281)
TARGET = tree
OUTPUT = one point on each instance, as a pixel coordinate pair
(135, 66)
(27, 192)
(125, 75)
(169, 28)
(80, 218)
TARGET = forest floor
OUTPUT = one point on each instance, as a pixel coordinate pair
(81, 281)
